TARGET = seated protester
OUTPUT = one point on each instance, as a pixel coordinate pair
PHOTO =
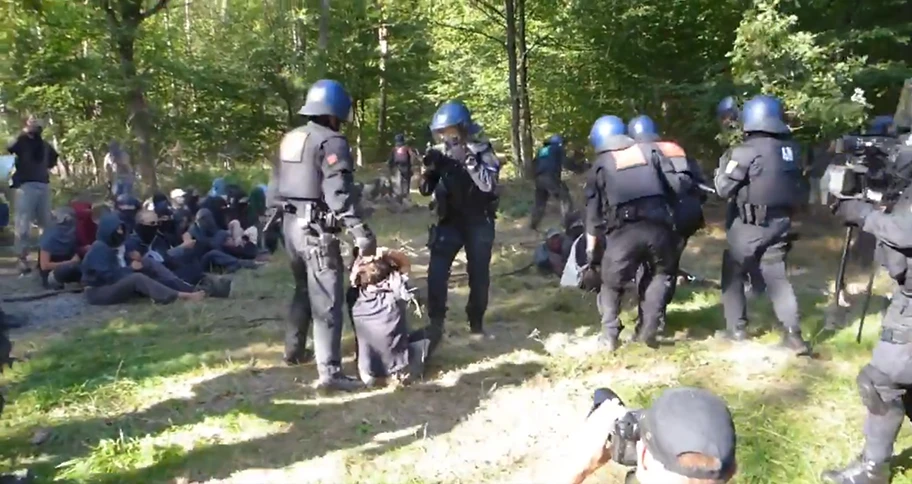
(218, 206)
(243, 243)
(551, 256)
(152, 249)
(58, 260)
(378, 303)
(186, 204)
(85, 226)
(213, 241)
(687, 436)
(219, 188)
(238, 207)
(109, 279)
(127, 207)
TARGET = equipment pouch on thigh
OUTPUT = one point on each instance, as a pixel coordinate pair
(869, 380)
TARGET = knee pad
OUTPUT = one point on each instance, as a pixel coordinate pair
(868, 380)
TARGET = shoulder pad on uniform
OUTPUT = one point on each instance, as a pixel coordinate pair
(671, 149)
(292, 148)
(619, 142)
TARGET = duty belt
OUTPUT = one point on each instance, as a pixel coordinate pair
(896, 336)
(312, 214)
(761, 214)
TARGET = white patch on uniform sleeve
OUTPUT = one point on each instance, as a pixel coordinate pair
(730, 167)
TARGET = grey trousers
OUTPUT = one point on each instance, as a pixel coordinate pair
(32, 205)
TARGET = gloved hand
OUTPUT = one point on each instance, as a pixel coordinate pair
(433, 159)
(853, 212)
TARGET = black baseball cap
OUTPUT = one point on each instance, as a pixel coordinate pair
(690, 420)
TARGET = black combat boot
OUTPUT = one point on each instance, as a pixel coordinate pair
(218, 287)
(649, 340)
(737, 333)
(609, 343)
(339, 381)
(792, 340)
(862, 471)
(302, 357)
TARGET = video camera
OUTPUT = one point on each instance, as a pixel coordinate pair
(626, 432)
(870, 171)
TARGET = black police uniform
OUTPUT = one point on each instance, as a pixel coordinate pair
(630, 192)
(764, 178)
(687, 211)
(400, 167)
(548, 184)
(753, 277)
(314, 181)
(463, 180)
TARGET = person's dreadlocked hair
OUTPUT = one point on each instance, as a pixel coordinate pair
(376, 271)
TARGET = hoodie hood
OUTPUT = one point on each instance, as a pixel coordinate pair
(107, 229)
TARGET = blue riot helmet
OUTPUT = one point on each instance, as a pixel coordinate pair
(400, 139)
(881, 126)
(764, 113)
(642, 125)
(556, 140)
(604, 128)
(328, 98)
(453, 113)
(727, 109)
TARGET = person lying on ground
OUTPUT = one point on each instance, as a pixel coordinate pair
(175, 267)
(378, 301)
(127, 206)
(551, 256)
(211, 239)
(58, 258)
(110, 279)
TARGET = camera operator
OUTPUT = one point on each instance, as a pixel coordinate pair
(883, 382)
(686, 437)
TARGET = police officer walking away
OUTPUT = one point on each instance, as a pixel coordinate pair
(549, 162)
(763, 178)
(884, 382)
(400, 167)
(462, 174)
(687, 209)
(629, 193)
(313, 180)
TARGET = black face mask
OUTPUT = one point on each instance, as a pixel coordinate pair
(146, 232)
(166, 227)
(117, 239)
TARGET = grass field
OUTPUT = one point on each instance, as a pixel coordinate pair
(198, 393)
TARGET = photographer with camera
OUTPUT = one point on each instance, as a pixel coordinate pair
(686, 437)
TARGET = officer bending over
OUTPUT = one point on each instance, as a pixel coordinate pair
(461, 172)
(884, 382)
(688, 208)
(629, 192)
(549, 163)
(313, 179)
(763, 178)
(687, 436)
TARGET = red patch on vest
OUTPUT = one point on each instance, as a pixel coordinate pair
(402, 150)
(332, 159)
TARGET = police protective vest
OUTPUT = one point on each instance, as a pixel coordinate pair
(632, 175)
(456, 194)
(402, 157)
(774, 176)
(300, 168)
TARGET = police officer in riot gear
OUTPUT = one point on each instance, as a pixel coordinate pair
(549, 162)
(763, 178)
(687, 209)
(313, 181)
(461, 171)
(630, 191)
(400, 168)
(884, 383)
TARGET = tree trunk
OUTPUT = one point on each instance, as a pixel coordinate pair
(323, 39)
(141, 125)
(524, 104)
(358, 111)
(384, 56)
(514, 89)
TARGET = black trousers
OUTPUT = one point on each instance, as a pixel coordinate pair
(627, 249)
(136, 284)
(546, 186)
(316, 264)
(643, 282)
(445, 241)
(763, 249)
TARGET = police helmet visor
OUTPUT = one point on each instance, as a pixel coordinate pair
(448, 132)
(324, 109)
